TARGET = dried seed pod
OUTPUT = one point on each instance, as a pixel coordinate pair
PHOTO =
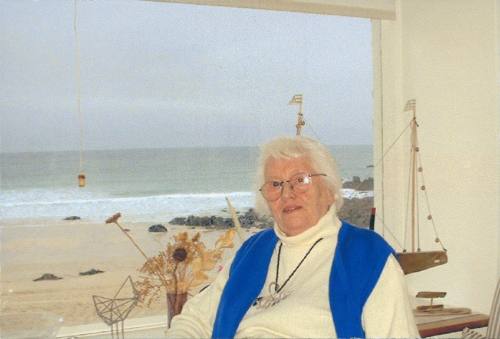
(113, 218)
(180, 254)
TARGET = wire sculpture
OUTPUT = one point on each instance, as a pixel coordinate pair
(114, 311)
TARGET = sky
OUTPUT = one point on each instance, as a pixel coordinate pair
(156, 75)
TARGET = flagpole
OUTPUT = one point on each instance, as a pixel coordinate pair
(300, 115)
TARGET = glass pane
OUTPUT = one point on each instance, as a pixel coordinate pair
(174, 101)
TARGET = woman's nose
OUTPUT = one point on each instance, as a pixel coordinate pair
(287, 190)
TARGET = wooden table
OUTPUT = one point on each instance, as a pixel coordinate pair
(429, 326)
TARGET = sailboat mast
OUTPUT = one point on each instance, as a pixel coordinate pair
(297, 100)
(300, 120)
(411, 105)
(414, 150)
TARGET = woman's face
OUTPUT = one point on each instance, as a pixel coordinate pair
(295, 212)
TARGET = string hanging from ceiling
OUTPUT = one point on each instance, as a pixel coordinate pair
(81, 173)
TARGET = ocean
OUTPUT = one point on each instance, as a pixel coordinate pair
(142, 184)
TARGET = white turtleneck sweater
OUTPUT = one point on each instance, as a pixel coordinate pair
(305, 311)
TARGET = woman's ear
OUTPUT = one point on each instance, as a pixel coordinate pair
(330, 196)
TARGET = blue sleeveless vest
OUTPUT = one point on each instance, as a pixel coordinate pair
(360, 257)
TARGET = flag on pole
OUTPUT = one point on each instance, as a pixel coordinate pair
(411, 105)
(297, 99)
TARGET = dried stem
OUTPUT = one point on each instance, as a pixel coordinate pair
(132, 240)
(114, 219)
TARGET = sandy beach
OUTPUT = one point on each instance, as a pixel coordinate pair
(31, 248)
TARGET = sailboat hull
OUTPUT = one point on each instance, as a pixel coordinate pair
(418, 261)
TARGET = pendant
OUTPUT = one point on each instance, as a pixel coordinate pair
(272, 299)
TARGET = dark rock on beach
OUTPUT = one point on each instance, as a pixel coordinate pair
(91, 272)
(157, 228)
(47, 276)
(73, 217)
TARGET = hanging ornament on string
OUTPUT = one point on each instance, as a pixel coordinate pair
(81, 179)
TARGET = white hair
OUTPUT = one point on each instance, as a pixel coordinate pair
(321, 159)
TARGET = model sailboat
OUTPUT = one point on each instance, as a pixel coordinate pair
(417, 260)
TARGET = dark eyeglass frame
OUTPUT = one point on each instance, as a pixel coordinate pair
(282, 184)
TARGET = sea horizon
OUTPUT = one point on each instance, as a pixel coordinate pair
(153, 148)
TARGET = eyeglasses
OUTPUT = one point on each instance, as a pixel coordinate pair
(299, 183)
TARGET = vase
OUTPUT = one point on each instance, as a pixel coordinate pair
(175, 302)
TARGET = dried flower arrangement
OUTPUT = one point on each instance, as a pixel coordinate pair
(179, 269)
(183, 265)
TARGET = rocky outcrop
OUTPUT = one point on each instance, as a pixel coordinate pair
(354, 211)
(357, 211)
(248, 219)
(357, 184)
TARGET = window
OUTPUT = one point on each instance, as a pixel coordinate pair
(174, 101)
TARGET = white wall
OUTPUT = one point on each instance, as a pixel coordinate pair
(444, 54)
(497, 11)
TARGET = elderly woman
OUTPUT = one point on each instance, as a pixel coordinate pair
(311, 275)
